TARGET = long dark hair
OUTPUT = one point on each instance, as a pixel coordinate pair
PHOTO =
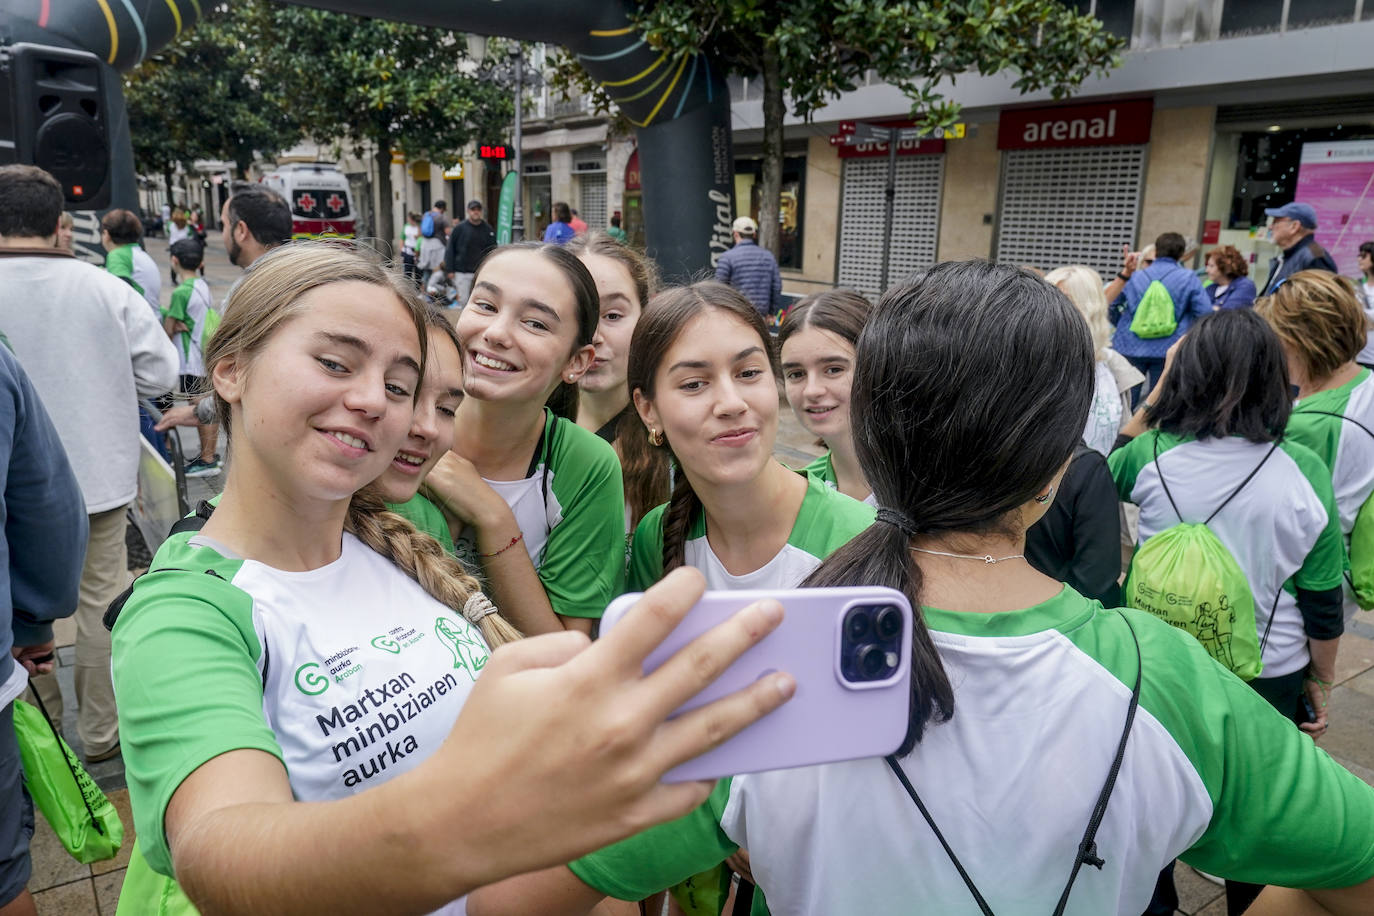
(971, 387)
(644, 470)
(663, 320)
(1229, 378)
(563, 400)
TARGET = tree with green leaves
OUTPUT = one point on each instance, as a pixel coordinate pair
(810, 51)
(202, 98)
(392, 85)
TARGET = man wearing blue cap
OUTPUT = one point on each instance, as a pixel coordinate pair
(1291, 227)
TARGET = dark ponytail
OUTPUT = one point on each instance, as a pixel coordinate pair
(971, 388)
(663, 320)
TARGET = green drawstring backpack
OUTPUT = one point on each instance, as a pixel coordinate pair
(1361, 573)
(1186, 577)
(1154, 316)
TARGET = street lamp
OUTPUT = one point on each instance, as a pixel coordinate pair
(509, 74)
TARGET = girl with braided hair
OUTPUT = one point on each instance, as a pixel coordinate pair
(298, 679)
(704, 374)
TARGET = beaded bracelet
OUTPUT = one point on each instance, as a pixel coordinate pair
(496, 553)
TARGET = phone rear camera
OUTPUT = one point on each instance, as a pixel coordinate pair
(872, 662)
(857, 623)
(888, 623)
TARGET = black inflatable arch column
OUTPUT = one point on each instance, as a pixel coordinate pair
(679, 105)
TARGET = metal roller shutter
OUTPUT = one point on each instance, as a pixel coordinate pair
(593, 200)
(1070, 206)
(915, 219)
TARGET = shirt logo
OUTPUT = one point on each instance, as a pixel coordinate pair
(468, 653)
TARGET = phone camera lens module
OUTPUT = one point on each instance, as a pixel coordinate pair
(857, 623)
(888, 623)
(872, 662)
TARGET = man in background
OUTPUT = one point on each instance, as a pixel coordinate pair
(92, 348)
(750, 269)
(468, 243)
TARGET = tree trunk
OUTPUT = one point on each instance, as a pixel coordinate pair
(773, 112)
(167, 180)
(384, 220)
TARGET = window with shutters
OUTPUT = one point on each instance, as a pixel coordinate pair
(1070, 206)
(915, 219)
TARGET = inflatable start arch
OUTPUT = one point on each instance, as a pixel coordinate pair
(679, 105)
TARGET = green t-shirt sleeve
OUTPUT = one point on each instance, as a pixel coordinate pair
(186, 678)
(177, 308)
(1127, 462)
(1283, 811)
(1325, 565)
(583, 563)
(661, 856)
(120, 262)
(646, 551)
(426, 518)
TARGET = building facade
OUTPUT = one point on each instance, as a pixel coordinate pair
(1219, 110)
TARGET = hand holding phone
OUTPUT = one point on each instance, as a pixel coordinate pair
(849, 650)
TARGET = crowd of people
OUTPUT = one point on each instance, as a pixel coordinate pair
(368, 675)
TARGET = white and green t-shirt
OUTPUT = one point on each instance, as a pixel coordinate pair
(191, 304)
(1212, 774)
(823, 469)
(1346, 449)
(826, 521)
(137, 268)
(350, 674)
(1282, 528)
(571, 509)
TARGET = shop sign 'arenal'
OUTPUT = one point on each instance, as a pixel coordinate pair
(1099, 124)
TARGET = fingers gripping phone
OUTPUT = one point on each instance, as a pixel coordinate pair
(849, 650)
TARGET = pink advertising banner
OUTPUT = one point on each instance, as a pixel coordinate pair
(1337, 179)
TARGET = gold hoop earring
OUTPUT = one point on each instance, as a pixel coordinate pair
(655, 437)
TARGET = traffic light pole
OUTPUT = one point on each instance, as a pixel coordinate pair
(891, 194)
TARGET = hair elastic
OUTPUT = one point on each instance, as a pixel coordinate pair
(897, 520)
(477, 607)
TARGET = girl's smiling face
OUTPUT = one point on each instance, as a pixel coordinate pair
(817, 371)
(323, 407)
(519, 330)
(715, 400)
(431, 430)
(620, 310)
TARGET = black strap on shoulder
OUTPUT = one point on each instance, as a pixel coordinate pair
(195, 521)
(111, 615)
(1332, 413)
(1248, 477)
(1164, 483)
(1087, 847)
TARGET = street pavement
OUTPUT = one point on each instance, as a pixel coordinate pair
(64, 887)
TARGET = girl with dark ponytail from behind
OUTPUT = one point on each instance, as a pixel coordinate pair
(1059, 753)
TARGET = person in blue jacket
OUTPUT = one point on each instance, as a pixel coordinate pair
(1231, 288)
(43, 547)
(1291, 227)
(1190, 303)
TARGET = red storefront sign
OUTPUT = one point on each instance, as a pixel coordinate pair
(632, 172)
(904, 148)
(1104, 124)
(1211, 231)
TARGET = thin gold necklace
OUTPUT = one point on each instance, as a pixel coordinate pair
(989, 559)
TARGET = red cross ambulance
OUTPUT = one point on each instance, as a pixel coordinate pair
(320, 199)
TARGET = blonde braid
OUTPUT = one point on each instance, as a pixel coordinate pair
(423, 559)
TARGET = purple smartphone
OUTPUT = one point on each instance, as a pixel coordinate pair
(849, 650)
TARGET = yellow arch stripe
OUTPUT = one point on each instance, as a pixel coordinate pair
(669, 91)
(114, 30)
(640, 75)
(658, 81)
(176, 15)
(611, 33)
